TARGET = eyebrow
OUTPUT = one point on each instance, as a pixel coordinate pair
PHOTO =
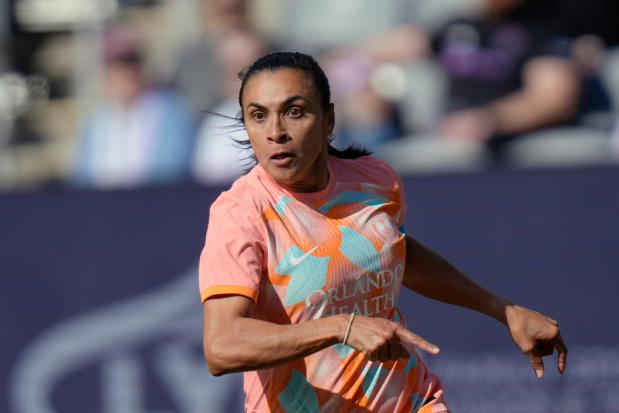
(286, 102)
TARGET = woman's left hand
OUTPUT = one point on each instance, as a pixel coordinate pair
(537, 336)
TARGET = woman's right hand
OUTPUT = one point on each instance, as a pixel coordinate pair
(384, 340)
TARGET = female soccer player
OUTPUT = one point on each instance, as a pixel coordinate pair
(304, 259)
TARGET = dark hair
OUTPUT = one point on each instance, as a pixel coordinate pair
(299, 61)
(289, 60)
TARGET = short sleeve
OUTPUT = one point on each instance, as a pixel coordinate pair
(402, 198)
(231, 262)
(393, 179)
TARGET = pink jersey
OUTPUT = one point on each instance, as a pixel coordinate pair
(302, 256)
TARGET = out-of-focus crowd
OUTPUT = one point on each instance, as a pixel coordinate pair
(138, 93)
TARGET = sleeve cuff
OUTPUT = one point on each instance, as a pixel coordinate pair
(229, 290)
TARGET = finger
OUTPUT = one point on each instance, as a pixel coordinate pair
(537, 363)
(412, 338)
(562, 349)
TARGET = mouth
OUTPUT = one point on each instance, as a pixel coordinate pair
(282, 159)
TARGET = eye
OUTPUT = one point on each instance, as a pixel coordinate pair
(258, 116)
(295, 112)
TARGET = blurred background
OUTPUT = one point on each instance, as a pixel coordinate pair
(501, 115)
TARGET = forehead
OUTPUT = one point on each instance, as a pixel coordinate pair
(275, 86)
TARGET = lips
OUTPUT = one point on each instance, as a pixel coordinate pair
(282, 159)
(282, 155)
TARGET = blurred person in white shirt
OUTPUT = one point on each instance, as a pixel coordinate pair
(218, 158)
(139, 134)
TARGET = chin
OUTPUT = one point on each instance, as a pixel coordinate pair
(288, 179)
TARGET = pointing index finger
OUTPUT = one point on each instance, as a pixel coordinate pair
(537, 363)
(412, 338)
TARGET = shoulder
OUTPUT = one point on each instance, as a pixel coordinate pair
(366, 168)
(236, 214)
(245, 197)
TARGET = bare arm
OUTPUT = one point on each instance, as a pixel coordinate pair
(235, 342)
(429, 274)
(549, 95)
(432, 276)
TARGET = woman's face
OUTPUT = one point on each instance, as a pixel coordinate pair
(287, 128)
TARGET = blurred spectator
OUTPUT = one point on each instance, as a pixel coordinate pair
(365, 117)
(509, 72)
(218, 158)
(22, 158)
(520, 71)
(207, 74)
(139, 134)
(199, 70)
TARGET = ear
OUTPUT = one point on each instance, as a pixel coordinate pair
(329, 120)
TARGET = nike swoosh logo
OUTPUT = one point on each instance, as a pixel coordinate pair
(298, 260)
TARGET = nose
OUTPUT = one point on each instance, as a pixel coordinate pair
(277, 131)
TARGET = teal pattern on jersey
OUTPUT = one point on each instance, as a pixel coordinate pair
(352, 197)
(308, 274)
(343, 350)
(371, 376)
(396, 317)
(412, 362)
(299, 396)
(359, 250)
(281, 204)
(416, 402)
